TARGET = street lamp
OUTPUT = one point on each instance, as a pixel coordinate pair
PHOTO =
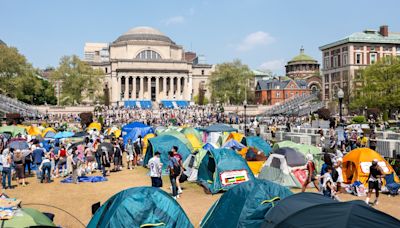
(245, 117)
(340, 95)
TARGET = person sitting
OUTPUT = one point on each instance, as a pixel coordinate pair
(328, 186)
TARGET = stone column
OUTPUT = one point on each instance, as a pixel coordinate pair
(184, 96)
(164, 87)
(133, 94)
(171, 87)
(157, 88)
(126, 89)
(178, 91)
(149, 88)
(141, 88)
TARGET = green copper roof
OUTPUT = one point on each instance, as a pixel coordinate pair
(259, 72)
(302, 57)
(368, 36)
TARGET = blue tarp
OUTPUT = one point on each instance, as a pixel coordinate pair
(145, 104)
(63, 134)
(91, 179)
(167, 104)
(130, 104)
(49, 134)
(128, 127)
(182, 104)
(136, 132)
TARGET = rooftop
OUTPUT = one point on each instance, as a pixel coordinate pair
(302, 57)
(367, 36)
(279, 84)
(144, 33)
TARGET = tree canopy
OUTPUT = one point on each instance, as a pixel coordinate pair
(18, 79)
(230, 81)
(79, 81)
(381, 86)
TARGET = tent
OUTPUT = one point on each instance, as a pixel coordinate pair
(284, 166)
(255, 159)
(140, 207)
(46, 130)
(28, 217)
(258, 143)
(294, 210)
(146, 141)
(113, 130)
(221, 169)
(192, 163)
(209, 146)
(136, 132)
(194, 141)
(49, 134)
(94, 126)
(236, 136)
(13, 130)
(63, 134)
(33, 131)
(304, 149)
(245, 205)
(356, 165)
(219, 128)
(233, 144)
(19, 144)
(128, 127)
(180, 136)
(163, 144)
(192, 131)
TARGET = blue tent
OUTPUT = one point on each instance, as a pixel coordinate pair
(63, 134)
(219, 128)
(140, 207)
(245, 205)
(208, 146)
(128, 127)
(49, 134)
(164, 144)
(136, 132)
(233, 144)
(221, 169)
(258, 143)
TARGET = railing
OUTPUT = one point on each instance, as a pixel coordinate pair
(291, 105)
(10, 105)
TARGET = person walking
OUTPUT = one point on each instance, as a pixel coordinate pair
(155, 167)
(129, 148)
(174, 171)
(19, 167)
(374, 181)
(372, 140)
(6, 172)
(311, 174)
(37, 154)
(178, 158)
(74, 165)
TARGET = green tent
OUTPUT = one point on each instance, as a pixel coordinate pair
(164, 144)
(258, 143)
(13, 130)
(245, 205)
(193, 131)
(221, 169)
(140, 207)
(178, 135)
(28, 217)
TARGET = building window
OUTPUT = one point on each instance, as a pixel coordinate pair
(148, 55)
(372, 58)
(278, 94)
(335, 61)
(345, 56)
(326, 62)
(202, 72)
(358, 58)
(105, 70)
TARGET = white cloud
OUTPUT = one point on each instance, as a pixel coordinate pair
(255, 39)
(174, 20)
(273, 65)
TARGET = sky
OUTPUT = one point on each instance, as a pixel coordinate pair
(263, 34)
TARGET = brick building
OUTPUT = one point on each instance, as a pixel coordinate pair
(271, 92)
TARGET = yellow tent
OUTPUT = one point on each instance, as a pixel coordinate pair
(255, 166)
(114, 130)
(94, 125)
(357, 162)
(236, 136)
(47, 130)
(194, 141)
(146, 142)
(33, 131)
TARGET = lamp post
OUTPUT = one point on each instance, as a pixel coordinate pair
(245, 117)
(340, 95)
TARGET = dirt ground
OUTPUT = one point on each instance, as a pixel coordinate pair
(77, 199)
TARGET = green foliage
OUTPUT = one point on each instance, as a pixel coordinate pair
(230, 81)
(79, 81)
(381, 86)
(18, 79)
(358, 119)
(196, 100)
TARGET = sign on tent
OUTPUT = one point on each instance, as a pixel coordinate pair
(234, 177)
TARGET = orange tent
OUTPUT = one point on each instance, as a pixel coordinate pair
(357, 162)
(236, 136)
(255, 166)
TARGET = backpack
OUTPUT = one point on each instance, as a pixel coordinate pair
(176, 169)
(335, 175)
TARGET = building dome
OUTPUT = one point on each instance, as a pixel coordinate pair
(144, 33)
(302, 58)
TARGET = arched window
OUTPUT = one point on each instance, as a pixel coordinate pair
(148, 55)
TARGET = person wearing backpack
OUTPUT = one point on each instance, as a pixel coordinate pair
(174, 172)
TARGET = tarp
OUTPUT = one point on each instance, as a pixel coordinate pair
(49, 134)
(128, 127)
(13, 130)
(164, 144)
(94, 126)
(245, 205)
(356, 165)
(219, 128)
(258, 143)
(315, 210)
(90, 179)
(19, 145)
(233, 144)
(182, 104)
(136, 132)
(221, 169)
(145, 104)
(140, 207)
(63, 134)
(28, 217)
(167, 104)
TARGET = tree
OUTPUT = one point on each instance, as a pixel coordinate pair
(381, 86)
(230, 81)
(79, 80)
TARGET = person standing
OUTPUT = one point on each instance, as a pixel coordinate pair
(19, 167)
(174, 171)
(37, 154)
(6, 172)
(372, 140)
(129, 148)
(45, 167)
(155, 166)
(374, 181)
(75, 165)
(311, 174)
(178, 158)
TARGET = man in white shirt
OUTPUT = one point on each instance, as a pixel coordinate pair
(155, 166)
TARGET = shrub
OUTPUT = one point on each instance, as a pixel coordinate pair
(324, 113)
(358, 119)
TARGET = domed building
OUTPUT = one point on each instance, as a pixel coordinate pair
(144, 64)
(305, 67)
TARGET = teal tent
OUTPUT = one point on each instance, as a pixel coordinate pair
(258, 143)
(164, 144)
(140, 207)
(245, 205)
(28, 217)
(221, 169)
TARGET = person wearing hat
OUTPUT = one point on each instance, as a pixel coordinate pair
(374, 180)
(155, 167)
